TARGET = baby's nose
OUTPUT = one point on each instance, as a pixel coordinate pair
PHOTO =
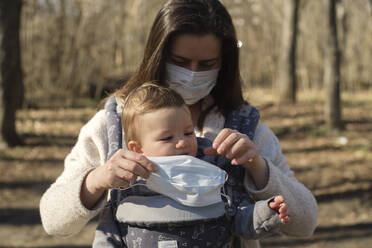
(180, 144)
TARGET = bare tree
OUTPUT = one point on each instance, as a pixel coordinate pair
(332, 75)
(11, 85)
(287, 62)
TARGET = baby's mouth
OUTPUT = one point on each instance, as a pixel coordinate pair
(185, 153)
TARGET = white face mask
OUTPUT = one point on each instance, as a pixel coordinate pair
(187, 180)
(191, 85)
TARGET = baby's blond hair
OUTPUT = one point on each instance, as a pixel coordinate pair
(145, 99)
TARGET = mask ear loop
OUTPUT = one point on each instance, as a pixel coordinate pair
(130, 186)
(228, 198)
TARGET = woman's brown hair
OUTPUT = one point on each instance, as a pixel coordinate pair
(199, 17)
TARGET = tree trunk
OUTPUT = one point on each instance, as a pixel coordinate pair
(332, 75)
(287, 67)
(11, 85)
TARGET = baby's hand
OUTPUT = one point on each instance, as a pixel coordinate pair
(278, 205)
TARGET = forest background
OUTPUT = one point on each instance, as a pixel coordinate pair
(71, 47)
(75, 52)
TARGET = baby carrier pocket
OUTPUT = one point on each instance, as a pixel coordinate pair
(158, 221)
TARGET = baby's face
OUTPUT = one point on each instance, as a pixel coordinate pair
(167, 132)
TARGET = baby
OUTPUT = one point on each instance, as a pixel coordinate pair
(157, 122)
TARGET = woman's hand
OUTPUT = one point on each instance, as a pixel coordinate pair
(235, 146)
(121, 169)
(241, 151)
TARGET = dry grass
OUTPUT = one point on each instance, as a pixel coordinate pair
(337, 167)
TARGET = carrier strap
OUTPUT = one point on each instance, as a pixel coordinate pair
(245, 120)
(114, 135)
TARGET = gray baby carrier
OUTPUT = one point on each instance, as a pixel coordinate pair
(144, 218)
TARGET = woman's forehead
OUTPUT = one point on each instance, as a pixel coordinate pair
(196, 47)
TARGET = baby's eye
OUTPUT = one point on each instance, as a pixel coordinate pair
(189, 133)
(166, 138)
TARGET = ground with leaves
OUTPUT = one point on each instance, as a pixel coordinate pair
(337, 167)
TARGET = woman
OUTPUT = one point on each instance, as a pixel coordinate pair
(192, 47)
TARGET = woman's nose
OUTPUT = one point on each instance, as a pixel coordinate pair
(193, 66)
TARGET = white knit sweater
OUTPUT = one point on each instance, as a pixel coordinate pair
(62, 212)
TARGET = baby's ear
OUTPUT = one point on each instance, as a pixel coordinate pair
(134, 146)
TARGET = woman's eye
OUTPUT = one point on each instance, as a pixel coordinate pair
(189, 133)
(180, 63)
(206, 66)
